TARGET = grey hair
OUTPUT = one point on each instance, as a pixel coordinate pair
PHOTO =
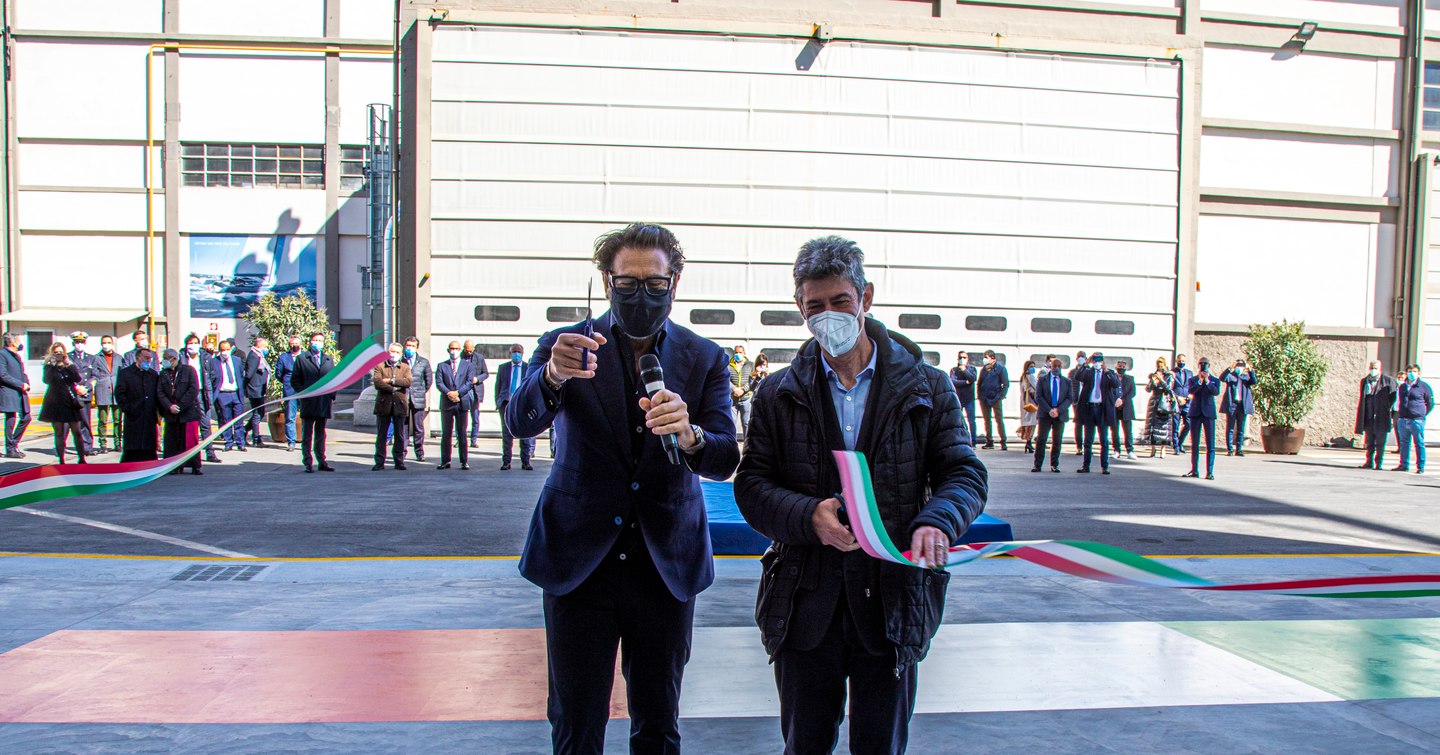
(170, 354)
(830, 257)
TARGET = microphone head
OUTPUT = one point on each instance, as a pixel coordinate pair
(649, 363)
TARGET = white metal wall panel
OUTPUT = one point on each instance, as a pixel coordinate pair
(87, 211)
(1295, 163)
(108, 101)
(90, 15)
(354, 252)
(354, 215)
(254, 18)
(363, 80)
(1368, 12)
(85, 165)
(1241, 259)
(246, 99)
(252, 211)
(1318, 89)
(367, 19)
(978, 183)
(98, 271)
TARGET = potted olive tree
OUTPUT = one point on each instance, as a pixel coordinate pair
(276, 319)
(1290, 369)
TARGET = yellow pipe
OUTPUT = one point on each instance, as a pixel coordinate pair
(150, 142)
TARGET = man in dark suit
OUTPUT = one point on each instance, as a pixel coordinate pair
(422, 379)
(257, 383)
(1237, 404)
(314, 411)
(1124, 415)
(992, 385)
(226, 377)
(14, 395)
(284, 368)
(1180, 420)
(1082, 363)
(507, 384)
(1378, 398)
(1053, 397)
(142, 342)
(1097, 396)
(85, 363)
(481, 373)
(455, 379)
(1200, 410)
(962, 375)
(619, 542)
(203, 365)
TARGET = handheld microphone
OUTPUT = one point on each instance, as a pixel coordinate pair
(654, 380)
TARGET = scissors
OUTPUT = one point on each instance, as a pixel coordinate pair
(589, 325)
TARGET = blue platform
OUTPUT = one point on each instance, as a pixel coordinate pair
(732, 536)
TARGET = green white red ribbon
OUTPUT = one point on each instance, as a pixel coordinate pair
(51, 481)
(1097, 561)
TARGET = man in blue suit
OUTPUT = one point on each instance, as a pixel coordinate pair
(619, 540)
(1053, 397)
(1180, 420)
(507, 384)
(227, 377)
(1097, 396)
(1200, 411)
(1237, 404)
(455, 381)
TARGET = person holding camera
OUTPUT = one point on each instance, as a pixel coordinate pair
(1237, 404)
(1200, 410)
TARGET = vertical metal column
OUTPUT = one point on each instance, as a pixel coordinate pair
(377, 277)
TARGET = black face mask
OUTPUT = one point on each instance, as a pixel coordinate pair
(640, 313)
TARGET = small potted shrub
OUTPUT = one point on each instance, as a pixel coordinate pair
(276, 319)
(1289, 370)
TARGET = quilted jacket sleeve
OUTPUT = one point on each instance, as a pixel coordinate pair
(959, 483)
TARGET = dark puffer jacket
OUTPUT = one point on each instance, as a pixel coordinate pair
(924, 473)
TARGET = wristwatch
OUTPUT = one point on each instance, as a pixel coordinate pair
(699, 439)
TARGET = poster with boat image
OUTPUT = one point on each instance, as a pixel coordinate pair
(230, 273)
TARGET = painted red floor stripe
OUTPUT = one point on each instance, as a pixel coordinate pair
(279, 677)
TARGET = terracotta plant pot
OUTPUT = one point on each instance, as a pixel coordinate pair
(1282, 440)
(276, 419)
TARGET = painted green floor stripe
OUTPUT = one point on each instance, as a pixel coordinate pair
(1357, 660)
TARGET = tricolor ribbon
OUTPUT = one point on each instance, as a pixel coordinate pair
(51, 481)
(1100, 562)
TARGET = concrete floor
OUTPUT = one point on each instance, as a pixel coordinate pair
(389, 617)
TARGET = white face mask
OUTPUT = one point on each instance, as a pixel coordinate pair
(836, 332)
(1374, 373)
(454, 354)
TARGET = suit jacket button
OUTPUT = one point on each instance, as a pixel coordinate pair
(779, 623)
(794, 570)
(618, 520)
(814, 458)
(634, 486)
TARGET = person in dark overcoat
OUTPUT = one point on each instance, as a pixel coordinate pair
(137, 393)
(1372, 414)
(65, 396)
(180, 406)
(315, 410)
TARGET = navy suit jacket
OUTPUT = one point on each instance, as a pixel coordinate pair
(1110, 391)
(1202, 398)
(455, 379)
(1243, 379)
(1064, 397)
(502, 381)
(217, 377)
(595, 487)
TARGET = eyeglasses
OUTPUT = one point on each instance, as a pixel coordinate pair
(626, 284)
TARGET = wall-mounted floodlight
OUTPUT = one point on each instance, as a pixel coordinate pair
(1305, 33)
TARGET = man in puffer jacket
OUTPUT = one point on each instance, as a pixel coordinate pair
(828, 613)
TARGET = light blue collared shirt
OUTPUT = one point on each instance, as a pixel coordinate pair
(850, 405)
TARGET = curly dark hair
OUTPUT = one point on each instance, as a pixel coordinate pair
(638, 236)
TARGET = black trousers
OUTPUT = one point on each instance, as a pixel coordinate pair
(383, 431)
(15, 424)
(998, 413)
(312, 438)
(812, 694)
(1115, 430)
(625, 604)
(1049, 427)
(257, 422)
(87, 437)
(1091, 426)
(1375, 447)
(1079, 431)
(417, 431)
(454, 423)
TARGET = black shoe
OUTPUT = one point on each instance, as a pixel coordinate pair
(1366, 465)
(260, 444)
(420, 456)
(326, 467)
(505, 467)
(1229, 452)
(174, 471)
(464, 466)
(988, 446)
(1210, 476)
(309, 467)
(1004, 447)
(1054, 469)
(241, 449)
(377, 468)
(1190, 474)
(1401, 468)
(1083, 470)
(1029, 449)
(446, 465)
(474, 444)
(1104, 470)
(526, 466)
(213, 459)
(1035, 469)
(14, 455)
(1239, 453)
(196, 471)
